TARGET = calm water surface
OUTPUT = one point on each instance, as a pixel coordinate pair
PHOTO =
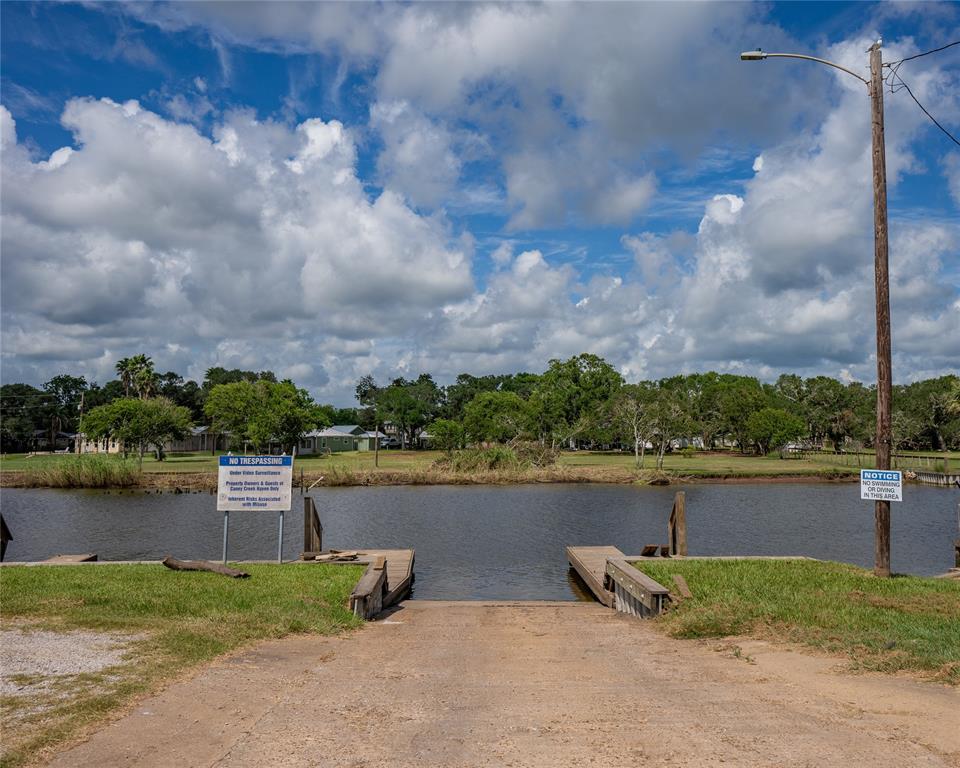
(493, 542)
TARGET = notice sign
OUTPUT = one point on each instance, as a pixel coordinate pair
(254, 482)
(881, 484)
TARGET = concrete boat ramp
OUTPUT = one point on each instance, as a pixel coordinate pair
(526, 684)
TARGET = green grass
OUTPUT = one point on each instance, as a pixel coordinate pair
(901, 623)
(714, 464)
(179, 620)
(204, 462)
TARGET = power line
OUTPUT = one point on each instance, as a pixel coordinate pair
(925, 53)
(897, 83)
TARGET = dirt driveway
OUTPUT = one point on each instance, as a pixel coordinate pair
(528, 684)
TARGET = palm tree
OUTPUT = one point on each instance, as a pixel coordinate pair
(144, 377)
(125, 370)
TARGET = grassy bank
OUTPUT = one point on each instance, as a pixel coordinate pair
(171, 620)
(902, 623)
(420, 468)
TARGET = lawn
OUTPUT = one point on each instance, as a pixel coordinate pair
(173, 620)
(204, 462)
(901, 623)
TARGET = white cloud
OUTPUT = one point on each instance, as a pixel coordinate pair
(150, 233)
(418, 159)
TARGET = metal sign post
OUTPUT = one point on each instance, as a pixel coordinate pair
(280, 540)
(226, 527)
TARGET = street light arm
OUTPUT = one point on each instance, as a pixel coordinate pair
(760, 55)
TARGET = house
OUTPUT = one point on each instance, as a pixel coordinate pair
(338, 438)
(105, 445)
(200, 440)
(62, 441)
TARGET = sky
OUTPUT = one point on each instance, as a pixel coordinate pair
(329, 190)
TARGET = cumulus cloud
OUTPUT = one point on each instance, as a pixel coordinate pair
(149, 230)
(254, 244)
(418, 158)
(578, 98)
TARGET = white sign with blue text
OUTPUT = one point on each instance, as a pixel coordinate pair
(881, 484)
(258, 483)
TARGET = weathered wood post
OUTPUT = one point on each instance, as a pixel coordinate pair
(5, 536)
(312, 529)
(677, 527)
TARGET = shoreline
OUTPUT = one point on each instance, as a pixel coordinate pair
(207, 481)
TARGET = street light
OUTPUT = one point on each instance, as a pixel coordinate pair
(881, 280)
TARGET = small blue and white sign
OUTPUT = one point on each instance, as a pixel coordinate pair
(257, 483)
(881, 484)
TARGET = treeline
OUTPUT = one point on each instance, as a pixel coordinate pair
(583, 401)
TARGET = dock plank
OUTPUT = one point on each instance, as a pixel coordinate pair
(590, 563)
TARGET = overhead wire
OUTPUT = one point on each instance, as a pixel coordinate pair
(919, 55)
(896, 83)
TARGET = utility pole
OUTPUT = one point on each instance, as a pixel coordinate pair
(882, 282)
(76, 442)
(881, 548)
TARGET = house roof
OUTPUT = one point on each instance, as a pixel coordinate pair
(349, 429)
(328, 432)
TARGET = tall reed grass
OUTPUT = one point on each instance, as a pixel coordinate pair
(85, 472)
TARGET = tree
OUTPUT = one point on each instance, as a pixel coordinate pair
(410, 404)
(668, 414)
(496, 417)
(740, 397)
(125, 369)
(137, 424)
(62, 404)
(569, 398)
(22, 412)
(287, 414)
(632, 413)
(773, 428)
(263, 411)
(447, 435)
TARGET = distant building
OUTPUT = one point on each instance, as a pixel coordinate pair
(337, 439)
(200, 440)
(105, 445)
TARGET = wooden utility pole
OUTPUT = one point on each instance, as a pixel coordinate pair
(882, 280)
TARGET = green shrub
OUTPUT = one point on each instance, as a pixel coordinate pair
(492, 458)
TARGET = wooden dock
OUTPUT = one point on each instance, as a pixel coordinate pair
(612, 579)
(387, 579)
(399, 568)
(590, 563)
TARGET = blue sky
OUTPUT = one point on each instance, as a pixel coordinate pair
(331, 190)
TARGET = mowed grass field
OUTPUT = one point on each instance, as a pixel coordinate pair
(720, 463)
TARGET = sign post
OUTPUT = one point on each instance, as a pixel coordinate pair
(261, 483)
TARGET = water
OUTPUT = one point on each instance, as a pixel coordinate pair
(493, 542)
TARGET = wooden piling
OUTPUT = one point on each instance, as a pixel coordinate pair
(312, 529)
(677, 527)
